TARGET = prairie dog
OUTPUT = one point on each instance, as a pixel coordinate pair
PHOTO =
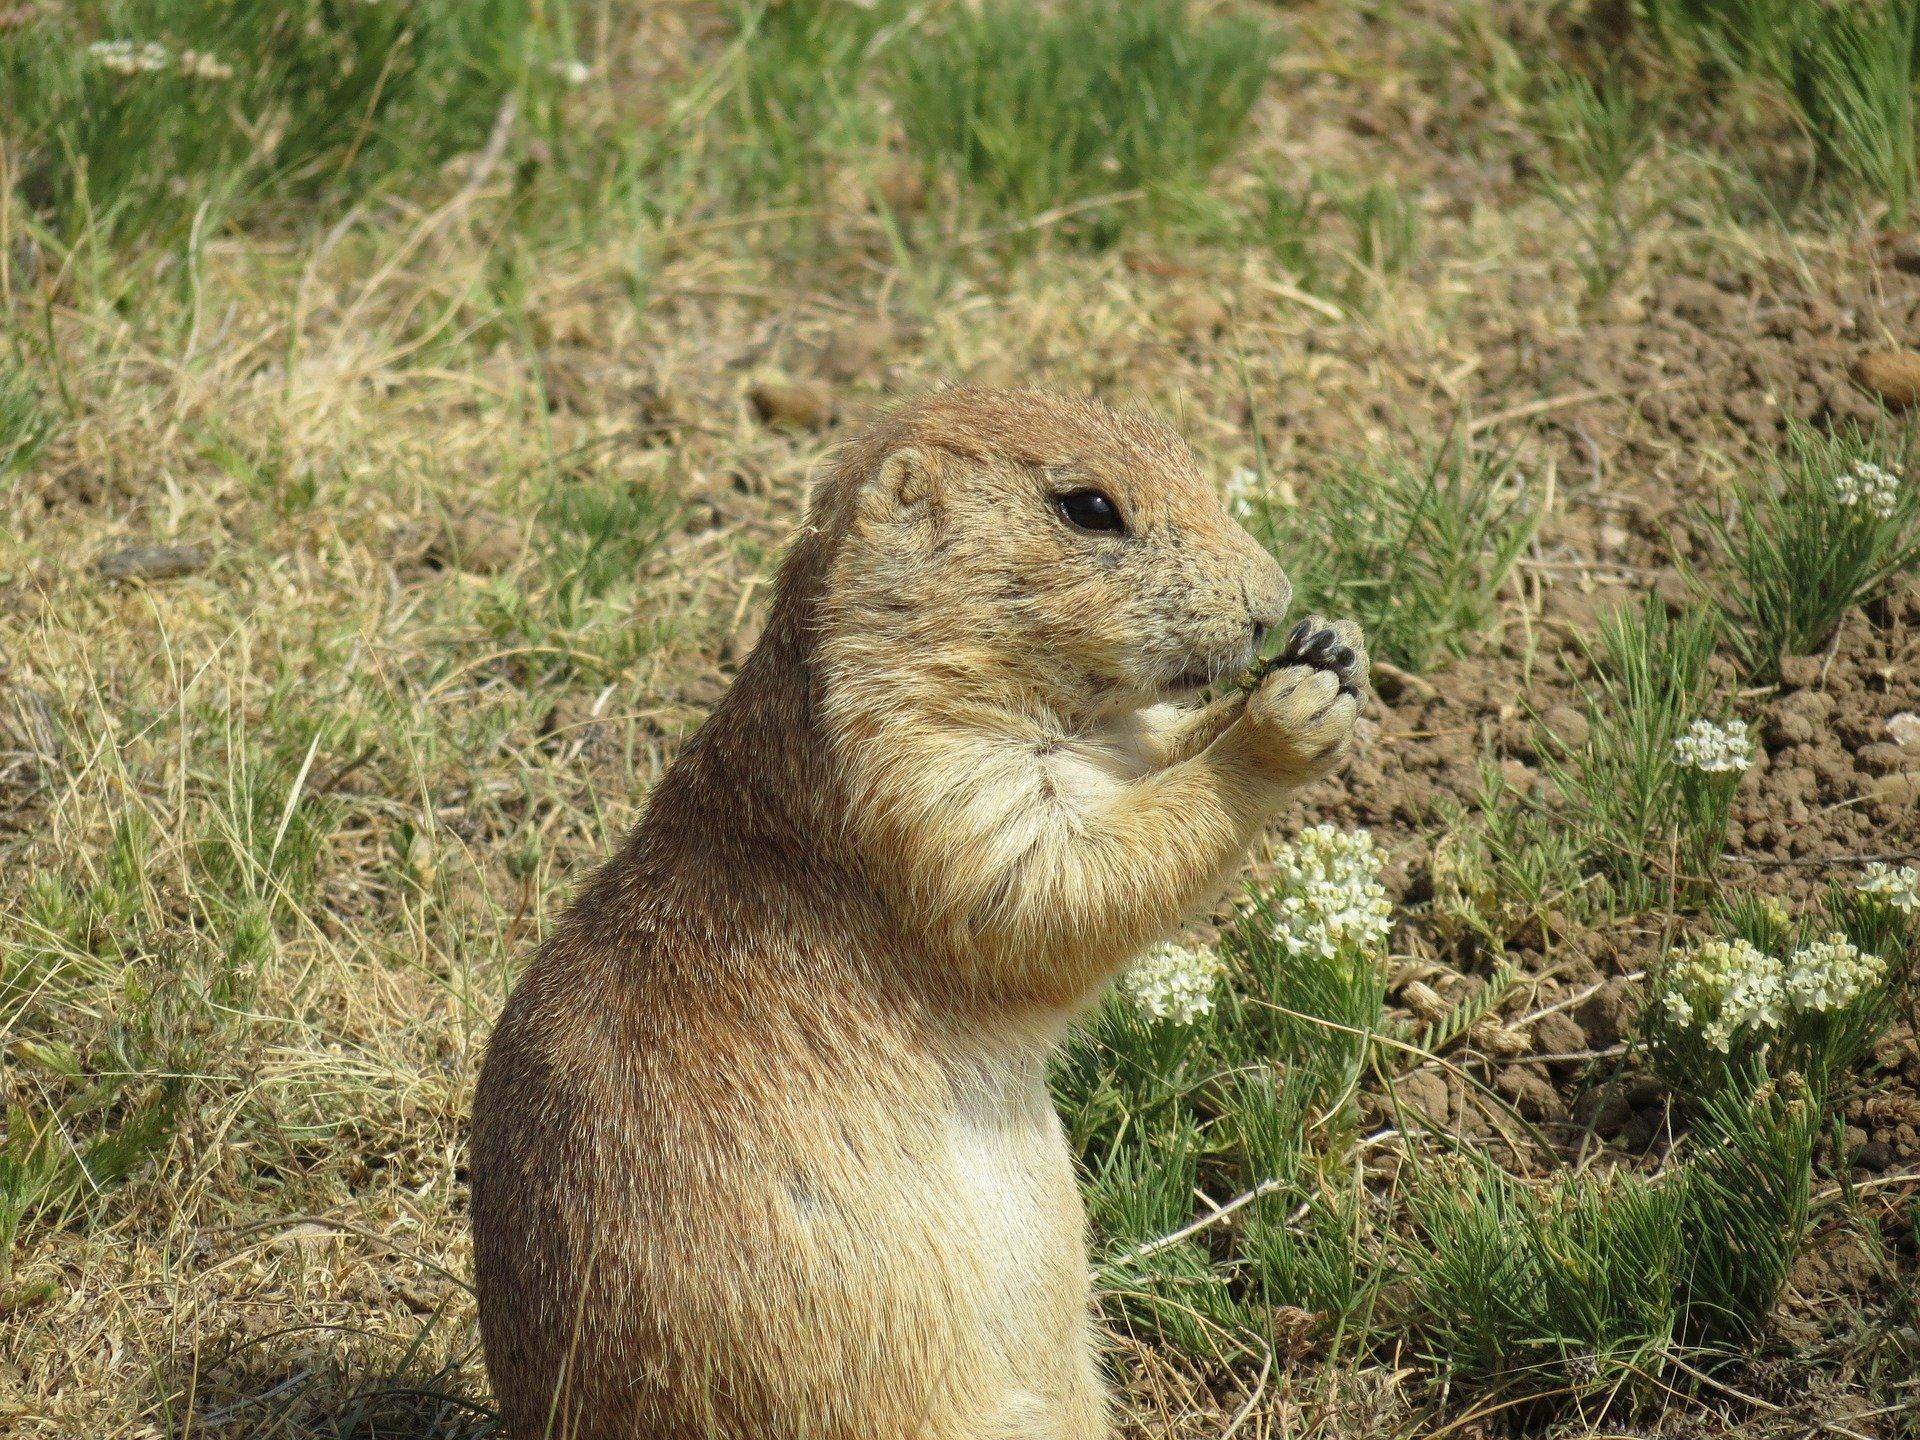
(762, 1147)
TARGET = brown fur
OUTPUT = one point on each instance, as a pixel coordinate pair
(762, 1148)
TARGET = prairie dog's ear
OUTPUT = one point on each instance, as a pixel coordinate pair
(904, 497)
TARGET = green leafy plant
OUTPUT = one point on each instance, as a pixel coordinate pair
(1504, 865)
(1831, 522)
(1416, 550)
(1034, 110)
(1385, 225)
(1590, 1284)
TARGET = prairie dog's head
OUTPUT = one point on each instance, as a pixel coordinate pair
(1049, 549)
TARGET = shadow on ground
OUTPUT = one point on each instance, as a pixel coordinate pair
(289, 1388)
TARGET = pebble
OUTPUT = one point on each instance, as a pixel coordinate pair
(1875, 1155)
(791, 404)
(1904, 730)
(152, 562)
(1893, 375)
(1567, 726)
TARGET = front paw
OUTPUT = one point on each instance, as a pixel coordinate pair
(1336, 647)
(1301, 717)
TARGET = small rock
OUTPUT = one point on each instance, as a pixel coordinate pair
(855, 351)
(1904, 730)
(152, 562)
(1200, 317)
(1423, 1000)
(1901, 789)
(1906, 254)
(1568, 727)
(1892, 375)
(791, 404)
(1605, 1108)
(1497, 1039)
(1425, 1092)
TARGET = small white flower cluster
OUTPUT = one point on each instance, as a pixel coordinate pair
(1330, 895)
(150, 57)
(129, 57)
(1715, 749)
(1898, 888)
(1174, 982)
(1720, 988)
(1242, 487)
(1831, 974)
(1870, 485)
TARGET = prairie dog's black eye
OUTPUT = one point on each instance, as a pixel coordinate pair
(1091, 511)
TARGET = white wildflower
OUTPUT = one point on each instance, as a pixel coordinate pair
(1720, 988)
(129, 57)
(1831, 974)
(1330, 893)
(1870, 485)
(1174, 982)
(1715, 749)
(1898, 888)
(571, 72)
(201, 65)
(1242, 489)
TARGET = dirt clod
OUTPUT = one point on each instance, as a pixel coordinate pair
(153, 562)
(791, 404)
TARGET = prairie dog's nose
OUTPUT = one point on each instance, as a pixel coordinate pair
(1267, 593)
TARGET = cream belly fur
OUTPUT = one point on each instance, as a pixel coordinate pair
(763, 1147)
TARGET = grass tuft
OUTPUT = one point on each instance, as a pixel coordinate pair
(1833, 520)
(1033, 111)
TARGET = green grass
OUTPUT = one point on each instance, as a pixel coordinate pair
(1035, 111)
(1416, 550)
(240, 103)
(1845, 72)
(1638, 819)
(1799, 545)
(792, 105)
(1853, 70)
(1601, 131)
